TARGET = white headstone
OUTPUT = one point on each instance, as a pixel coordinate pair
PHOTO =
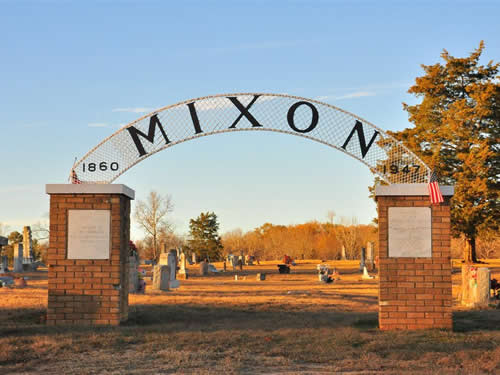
(343, 255)
(27, 246)
(163, 259)
(182, 263)
(410, 232)
(366, 275)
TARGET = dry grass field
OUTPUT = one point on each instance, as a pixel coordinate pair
(288, 324)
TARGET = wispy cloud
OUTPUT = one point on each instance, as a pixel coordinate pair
(133, 109)
(352, 95)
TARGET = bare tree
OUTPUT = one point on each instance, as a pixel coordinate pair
(348, 234)
(330, 215)
(152, 218)
(40, 231)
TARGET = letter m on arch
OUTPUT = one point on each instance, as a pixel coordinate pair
(150, 137)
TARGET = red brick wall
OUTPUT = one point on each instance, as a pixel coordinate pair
(88, 291)
(415, 293)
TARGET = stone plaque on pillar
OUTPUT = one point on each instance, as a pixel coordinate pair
(89, 234)
(410, 232)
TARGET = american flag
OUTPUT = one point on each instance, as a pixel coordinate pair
(434, 193)
(74, 178)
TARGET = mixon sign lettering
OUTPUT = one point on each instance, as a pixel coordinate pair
(195, 118)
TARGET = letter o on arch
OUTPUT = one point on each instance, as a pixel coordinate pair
(291, 115)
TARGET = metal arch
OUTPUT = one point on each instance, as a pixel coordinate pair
(423, 176)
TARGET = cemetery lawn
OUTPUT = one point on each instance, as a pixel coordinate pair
(288, 324)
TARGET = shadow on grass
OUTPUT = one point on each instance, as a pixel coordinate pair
(188, 317)
(476, 320)
(215, 318)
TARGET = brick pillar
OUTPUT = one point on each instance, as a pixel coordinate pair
(415, 289)
(88, 275)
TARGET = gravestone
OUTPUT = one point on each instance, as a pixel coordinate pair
(183, 267)
(163, 259)
(234, 262)
(18, 257)
(362, 263)
(203, 268)
(4, 241)
(161, 277)
(366, 275)
(343, 256)
(4, 266)
(476, 286)
(28, 256)
(133, 274)
(172, 263)
(483, 287)
(370, 256)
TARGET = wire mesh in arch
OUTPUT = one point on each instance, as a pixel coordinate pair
(321, 122)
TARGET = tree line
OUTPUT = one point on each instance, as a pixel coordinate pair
(312, 240)
(303, 241)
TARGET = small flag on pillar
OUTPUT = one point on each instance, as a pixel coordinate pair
(74, 178)
(434, 192)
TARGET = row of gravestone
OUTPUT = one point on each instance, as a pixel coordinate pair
(164, 273)
(24, 259)
(367, 257)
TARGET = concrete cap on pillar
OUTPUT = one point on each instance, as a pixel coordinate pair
(410, 189)
(90, 189)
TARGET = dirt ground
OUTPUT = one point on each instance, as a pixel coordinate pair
(287, 324)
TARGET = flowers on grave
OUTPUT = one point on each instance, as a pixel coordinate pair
(473, 276)
(132, 249)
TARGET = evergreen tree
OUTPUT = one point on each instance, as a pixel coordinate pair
(204, 237)
(457, 134)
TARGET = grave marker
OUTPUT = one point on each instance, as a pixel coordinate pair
(172, 263)
(161, 277)
(18, 257)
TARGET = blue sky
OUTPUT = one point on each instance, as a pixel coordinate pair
(72, 73)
